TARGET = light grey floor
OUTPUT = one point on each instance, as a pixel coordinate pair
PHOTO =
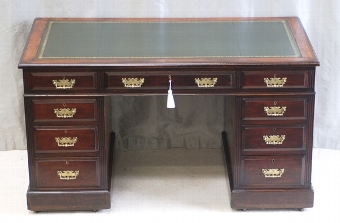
(173, 185)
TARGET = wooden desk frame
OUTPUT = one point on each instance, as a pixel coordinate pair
(267, 139)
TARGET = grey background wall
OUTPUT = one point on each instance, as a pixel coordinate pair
(321, 20)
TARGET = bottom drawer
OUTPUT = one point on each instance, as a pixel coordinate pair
(273, 171)
(67, 173)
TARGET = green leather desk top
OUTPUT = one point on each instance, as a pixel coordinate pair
(99, 40)
(167, 39)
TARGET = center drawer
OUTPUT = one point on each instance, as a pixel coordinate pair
(53, 139)
(260, 139)
(189, 80)
(67, 173)
(274, 108)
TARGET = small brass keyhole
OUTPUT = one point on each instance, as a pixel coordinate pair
(275, 102)
(67, 162)
(64, 105)
(274, 129)
(273, 160)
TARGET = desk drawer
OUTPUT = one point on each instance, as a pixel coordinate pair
(208, 80)
(273, 138)
(67, 173)
(275, 80)
(274, 108)
(64, 110)
(273, 171)
(61, 81)
(138, 81)
(54, 139)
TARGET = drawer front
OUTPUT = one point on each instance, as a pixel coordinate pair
(60, 81)
(273, 171)
(203, 80)
(273, 138)
(275, 80)
(274, 108)
(63, 110)
(65, 139)
(139, 81)
(66, 173)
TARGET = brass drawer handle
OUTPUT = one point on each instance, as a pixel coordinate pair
(64, 83)
(273, 173)
(206, 82)
(275, 81)
(275, 111)
(66, 141)
(274, 139)
(65, 112)
(68, 174)
(133, 82)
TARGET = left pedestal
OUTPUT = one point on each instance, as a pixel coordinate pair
(70, 148)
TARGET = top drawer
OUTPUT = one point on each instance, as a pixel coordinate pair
(60, 81)
(275, 80)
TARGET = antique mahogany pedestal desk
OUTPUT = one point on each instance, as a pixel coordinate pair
(264, 67)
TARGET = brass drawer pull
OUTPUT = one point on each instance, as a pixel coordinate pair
(275, 111)
(64, 83)
(273, 173)
(65, 112)
(68, 174)
(133, 82)
(274, 139)
(275, 81)
(205, 82)
(66, 141)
